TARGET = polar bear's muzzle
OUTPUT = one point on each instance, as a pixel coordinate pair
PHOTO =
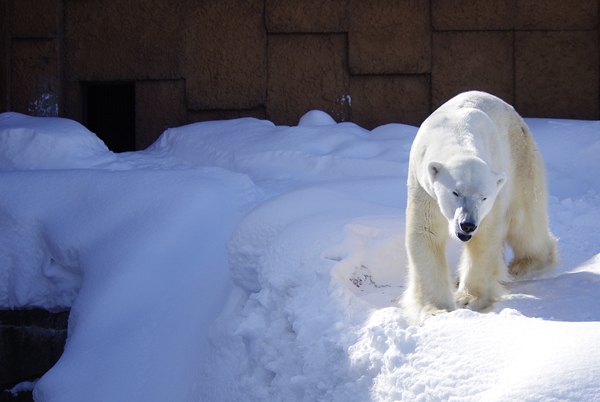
(465, 231)
(465, 219)
(463, 237)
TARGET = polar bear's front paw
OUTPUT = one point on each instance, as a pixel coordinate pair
(431, 311)
(466, 300)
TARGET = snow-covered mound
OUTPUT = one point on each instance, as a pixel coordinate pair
(278, 158)
(242, 261)
(28, 142)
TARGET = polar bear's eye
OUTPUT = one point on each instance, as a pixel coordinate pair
(483, 199)
(455, 193)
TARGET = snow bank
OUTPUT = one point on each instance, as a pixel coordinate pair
(470, 356)
(135, 248)
(243, 261)
(28, 142)
(570, 149)
(300, 260)
(279, 158)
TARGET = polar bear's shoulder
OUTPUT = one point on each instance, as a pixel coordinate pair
(456, 125)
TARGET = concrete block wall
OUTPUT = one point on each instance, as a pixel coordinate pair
(550, 49)
(30, 68)
(31, 341)
(370, 62)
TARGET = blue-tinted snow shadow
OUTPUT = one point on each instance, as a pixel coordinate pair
(570, 296)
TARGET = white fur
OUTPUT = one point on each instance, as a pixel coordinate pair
(475, 174)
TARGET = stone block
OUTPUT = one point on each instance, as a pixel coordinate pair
(226, 56)
(124, 40)
(158, 105)
(4, 58)
(556, 74)
(306, 72)
(306, 16)
(514, 14)
(383, 99)
(34, 18)
(557, 14)
(73, 103)
(31, 341)
(35, 82)
(464, 61)
(25, 396)
(389, 37)
(473, 14)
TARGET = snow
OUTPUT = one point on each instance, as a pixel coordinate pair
(23, 386)
(242, 261)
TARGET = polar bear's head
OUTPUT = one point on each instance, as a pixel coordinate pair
(465, 189)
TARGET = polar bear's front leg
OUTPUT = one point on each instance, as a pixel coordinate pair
(429, 292)
(482, 268)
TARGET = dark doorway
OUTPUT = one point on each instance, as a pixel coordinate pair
(109, 112)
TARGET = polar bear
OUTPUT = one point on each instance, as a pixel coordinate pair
(474, 174)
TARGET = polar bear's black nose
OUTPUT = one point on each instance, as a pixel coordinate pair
(468, 227)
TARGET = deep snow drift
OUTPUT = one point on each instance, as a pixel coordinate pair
(243, 261)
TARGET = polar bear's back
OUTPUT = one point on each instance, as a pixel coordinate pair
(500, 113)
(472, 123)
(509, 124)
(478, 100)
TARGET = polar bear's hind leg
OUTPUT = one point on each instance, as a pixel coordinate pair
(532, 255)
(535, 248)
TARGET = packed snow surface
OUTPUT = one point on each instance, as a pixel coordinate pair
(242, 261)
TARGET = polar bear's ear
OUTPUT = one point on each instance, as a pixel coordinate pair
(434, 168)
(500, 179)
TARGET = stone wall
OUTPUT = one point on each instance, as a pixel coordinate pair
(31, 341)
(370, 62)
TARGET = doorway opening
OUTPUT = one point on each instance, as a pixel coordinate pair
(109, 112)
